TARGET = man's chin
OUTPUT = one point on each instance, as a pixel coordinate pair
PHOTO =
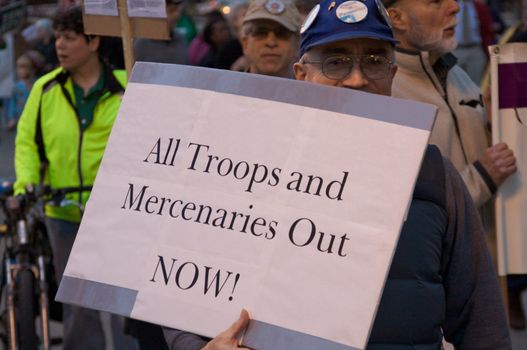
(447, 45)
(268, 69)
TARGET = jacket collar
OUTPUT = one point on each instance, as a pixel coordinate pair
(111, 84)
(414, 60)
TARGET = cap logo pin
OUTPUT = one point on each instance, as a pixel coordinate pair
(275, 7)
(352, 11)
(310, 19)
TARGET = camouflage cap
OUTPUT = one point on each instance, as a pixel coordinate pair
(283, 12)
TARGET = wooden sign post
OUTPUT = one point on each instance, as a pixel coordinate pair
(127, 28)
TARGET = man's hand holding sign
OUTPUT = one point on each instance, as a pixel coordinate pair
(228, 339)
(222, 191)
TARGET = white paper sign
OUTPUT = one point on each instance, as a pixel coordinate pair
(101, 7)
(147, 8)
(509, 96)
(220, 191)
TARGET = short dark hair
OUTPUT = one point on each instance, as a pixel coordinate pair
(69, 19)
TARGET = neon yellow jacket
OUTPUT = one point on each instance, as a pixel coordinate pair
(73, 155)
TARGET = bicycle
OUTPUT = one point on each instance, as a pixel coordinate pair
(27, 265)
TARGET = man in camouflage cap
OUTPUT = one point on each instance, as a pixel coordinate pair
(270, 37)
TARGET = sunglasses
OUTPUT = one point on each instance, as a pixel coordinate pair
(261, 32)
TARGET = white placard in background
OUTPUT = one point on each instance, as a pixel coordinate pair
(101, 7)
(509, 125)
(147, 8)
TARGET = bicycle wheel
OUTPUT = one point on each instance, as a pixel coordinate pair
(25, 310)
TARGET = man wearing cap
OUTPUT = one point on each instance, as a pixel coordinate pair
(270, 37)
(173, 50)
(441, 281)
(428, 72)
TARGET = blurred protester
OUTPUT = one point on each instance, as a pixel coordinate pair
(199, 48)
(7, 73)
(60, 140)
(487, 27)
(28, 67)
(173, 50)
(46, 43)
(270, 35)
(186, 26)
(216, 34)
(498, 24)
(517, 33)
(232, 51)
(474, 32)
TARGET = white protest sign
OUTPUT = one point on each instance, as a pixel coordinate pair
(509, 125)
(221, 190)
(147, 8)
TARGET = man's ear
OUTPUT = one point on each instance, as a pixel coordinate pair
(399, 18)
(94, 43)
(300, 71)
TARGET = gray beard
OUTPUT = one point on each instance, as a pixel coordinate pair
(419, 39)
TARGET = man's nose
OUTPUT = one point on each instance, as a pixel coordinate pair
(453, 6)
(59, 42)
(270, 39)
(356, 79)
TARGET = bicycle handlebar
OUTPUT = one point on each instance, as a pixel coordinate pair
(55, 195)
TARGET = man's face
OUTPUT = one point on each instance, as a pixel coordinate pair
(270, 48)
(430, 24)
(73, 49)
(366, 50)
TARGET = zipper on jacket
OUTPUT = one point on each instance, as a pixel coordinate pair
(79, 163)
(452, 113)
(81, 134)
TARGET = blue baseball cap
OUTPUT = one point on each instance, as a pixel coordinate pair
(336, 20)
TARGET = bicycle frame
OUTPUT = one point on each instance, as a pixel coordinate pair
(23, 254)
(26, 251)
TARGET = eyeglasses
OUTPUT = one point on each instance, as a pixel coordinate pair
(374, 67)
(261, 32)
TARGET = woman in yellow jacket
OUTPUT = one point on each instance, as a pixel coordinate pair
(65, 125)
